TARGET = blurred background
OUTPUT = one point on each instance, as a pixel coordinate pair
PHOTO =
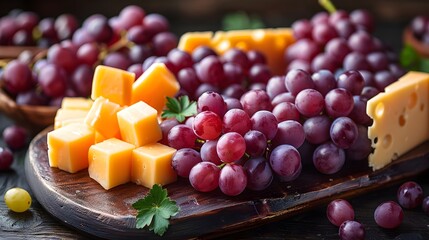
(200, 15)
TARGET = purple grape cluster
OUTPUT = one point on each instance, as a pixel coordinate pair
(231, 74)
(25, 28)
(259, 127)
(420, 28)
(233, 146)
(124, 41)
(331, 112)
(340, 42)
(259, 140)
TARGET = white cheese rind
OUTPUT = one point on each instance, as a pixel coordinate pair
(401, 118)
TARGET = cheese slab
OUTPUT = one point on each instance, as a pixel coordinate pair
(401, 117)
(65, 115)
(76, 103)
(271, 42)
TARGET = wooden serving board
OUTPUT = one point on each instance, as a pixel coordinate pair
(81, 203)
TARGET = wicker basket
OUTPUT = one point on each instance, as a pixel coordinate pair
(422, 49)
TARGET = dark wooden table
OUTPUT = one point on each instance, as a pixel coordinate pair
(312, 224)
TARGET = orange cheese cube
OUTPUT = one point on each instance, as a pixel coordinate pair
(64, 115)
(271, 42)
(72, 121)
(68, 147)
(112, 83)
(102, 117)
(76, 103)
(154, 86)
(110, 162)
(139, 125)
(100, 138)
(151, 164)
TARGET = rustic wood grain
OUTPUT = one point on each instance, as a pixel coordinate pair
(81, 203)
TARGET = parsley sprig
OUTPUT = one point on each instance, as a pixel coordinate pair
(179, 108)
(155, 210)
(411, 60)
(241, 20)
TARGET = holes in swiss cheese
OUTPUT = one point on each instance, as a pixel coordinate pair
(379, 110)
(412, 101)
(402, 120)
(387, 141)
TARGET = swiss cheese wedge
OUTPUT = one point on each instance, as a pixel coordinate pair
(401, 117)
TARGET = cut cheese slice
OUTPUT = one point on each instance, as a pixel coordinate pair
(67, 115)
(76, 103)
(271, 42)
(401, 117)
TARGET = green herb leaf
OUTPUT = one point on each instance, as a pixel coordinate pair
(424, 65)
(155, 210)
(409, 58)
(241, 20)
(179, 108)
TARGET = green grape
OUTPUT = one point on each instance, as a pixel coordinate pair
(17, 199)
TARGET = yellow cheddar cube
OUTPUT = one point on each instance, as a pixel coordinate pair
(76, 103)
(112, 83)
(110, 162)
(68, 147)
(67, 115)
(72, 121)
(102, 117)
(154, 86)
(139, 125)
(151, 164)
(100, 138)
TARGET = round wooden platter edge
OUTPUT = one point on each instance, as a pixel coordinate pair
(81, 203)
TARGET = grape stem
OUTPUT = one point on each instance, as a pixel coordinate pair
(328, 5)
(221, 165)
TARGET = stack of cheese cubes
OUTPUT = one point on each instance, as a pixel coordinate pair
(114, 135)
